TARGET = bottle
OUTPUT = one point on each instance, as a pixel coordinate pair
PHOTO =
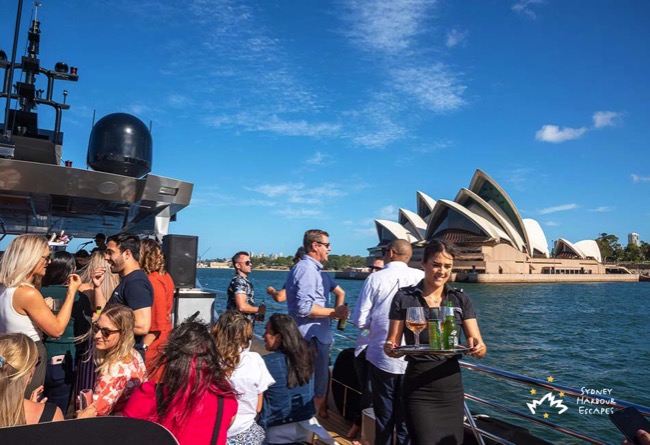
(342, 321)
(261, 312)
(450, 330)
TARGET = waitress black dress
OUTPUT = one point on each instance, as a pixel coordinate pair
(433, 388)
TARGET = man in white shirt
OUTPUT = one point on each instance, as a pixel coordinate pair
(371, 313)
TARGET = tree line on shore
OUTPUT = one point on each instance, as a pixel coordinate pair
(334, 262)
(612, 251)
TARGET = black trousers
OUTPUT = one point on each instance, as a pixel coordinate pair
(433, 402)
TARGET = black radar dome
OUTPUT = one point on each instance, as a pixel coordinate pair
(120, 143)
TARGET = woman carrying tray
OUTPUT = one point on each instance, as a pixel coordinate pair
(433, 389)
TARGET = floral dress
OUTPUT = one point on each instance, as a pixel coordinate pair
(115, 386)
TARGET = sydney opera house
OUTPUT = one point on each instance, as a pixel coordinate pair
(495, 243)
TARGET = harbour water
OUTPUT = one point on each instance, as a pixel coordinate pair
(591, 336)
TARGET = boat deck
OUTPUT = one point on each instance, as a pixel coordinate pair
(337, 426)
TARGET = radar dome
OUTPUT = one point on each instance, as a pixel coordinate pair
(121, 144)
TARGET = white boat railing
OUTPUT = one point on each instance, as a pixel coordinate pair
(479, 433)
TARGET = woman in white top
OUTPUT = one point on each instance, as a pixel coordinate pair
(247, 373)
(22, 307)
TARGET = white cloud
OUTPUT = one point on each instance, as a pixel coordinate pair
(319, 158)
(435, 88)
(388, 212)
(455, 37)
(274, 124)
(294, 213)
(551, 223)
(605, 118)
(298, 193)
(386, 26)
(637, 178)
(524, 7)
(555, 134)
(602, 209)
(560, 208)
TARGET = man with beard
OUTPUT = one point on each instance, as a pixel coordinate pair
(134, 290)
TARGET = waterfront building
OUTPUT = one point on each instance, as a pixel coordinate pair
(495, 242)
(633, 238)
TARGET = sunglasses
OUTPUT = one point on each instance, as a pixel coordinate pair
(323, 244)
(104, 331)
(47, 258)
(375, 268)
(247, 263)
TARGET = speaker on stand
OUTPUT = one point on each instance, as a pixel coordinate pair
(180, 261)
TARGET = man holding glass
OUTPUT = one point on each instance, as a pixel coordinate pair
(307, 304)
(371, 313)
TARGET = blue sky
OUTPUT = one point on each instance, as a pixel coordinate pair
(294, 115)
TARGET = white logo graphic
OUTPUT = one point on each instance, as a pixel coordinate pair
(551, 401)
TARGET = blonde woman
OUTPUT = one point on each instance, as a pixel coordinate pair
(98, 284)
(152, 262)
(120, 368)
(18, 358)
(98, 281)
(246, 372)
(22, 307)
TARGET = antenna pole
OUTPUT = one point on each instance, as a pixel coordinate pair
(7, 132)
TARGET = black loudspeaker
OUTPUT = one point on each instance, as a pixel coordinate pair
(180, 255)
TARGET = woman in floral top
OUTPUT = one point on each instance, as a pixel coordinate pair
(120, 368)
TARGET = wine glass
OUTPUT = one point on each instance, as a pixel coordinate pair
(416, 322)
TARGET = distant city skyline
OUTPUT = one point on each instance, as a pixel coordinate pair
(289, 116)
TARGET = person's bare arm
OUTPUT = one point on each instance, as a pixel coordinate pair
(339, 295)
(142, 321)
(260, 399)
(474, 339)
(29, 301)
(394, 337)
(241, 301)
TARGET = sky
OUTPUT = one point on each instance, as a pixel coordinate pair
(294, 115)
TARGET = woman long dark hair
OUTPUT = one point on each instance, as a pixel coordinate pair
(192, 381)
(63, 353)
(300, 365)
(190, 368)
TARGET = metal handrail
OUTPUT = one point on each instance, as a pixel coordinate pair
(506, 375)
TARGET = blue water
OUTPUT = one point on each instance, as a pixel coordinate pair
(592, 335)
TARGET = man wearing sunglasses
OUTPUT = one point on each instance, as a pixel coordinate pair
(307, 304)
(241, 294)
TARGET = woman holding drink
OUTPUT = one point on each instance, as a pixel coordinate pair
(433, 389)
(120, 368)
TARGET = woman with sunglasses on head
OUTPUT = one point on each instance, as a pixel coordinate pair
(193, 398)
(22, 307)
(120, 368)
(62, 352)
(247, 373)
(18, 359)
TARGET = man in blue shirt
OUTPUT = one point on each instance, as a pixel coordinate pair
(307, 304)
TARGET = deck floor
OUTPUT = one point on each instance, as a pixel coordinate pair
(337, 426)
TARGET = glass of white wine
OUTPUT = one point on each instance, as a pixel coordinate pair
(416, 322)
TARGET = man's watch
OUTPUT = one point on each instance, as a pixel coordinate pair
(145, 346)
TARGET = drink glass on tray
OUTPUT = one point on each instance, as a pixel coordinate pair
(416, 322)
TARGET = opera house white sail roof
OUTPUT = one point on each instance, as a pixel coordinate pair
(482, 214)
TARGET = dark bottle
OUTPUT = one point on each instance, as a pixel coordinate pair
(450, 330)
(342, 322)
(261, 312)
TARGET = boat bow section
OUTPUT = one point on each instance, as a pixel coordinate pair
(40, 198)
